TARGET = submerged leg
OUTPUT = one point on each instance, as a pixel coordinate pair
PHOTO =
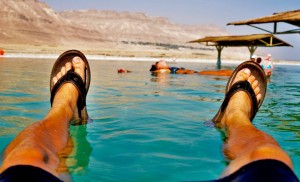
(245, 143)
(39, 143)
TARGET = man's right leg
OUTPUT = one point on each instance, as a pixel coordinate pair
(245, 143)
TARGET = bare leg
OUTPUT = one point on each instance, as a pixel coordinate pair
(39, 143)
(245, 143)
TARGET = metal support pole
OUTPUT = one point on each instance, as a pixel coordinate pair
(219, 48)
(252, 49)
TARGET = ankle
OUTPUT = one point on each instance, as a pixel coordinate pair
(236, 111)
(235, 117)
(66, 96)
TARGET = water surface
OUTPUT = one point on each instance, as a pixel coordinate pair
(146, 127)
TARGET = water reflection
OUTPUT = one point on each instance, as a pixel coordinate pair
(75, 157)
(161, 78)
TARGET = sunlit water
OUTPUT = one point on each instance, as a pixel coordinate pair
(146, 127)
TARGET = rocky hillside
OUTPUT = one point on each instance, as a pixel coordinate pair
(125, 26)
(34, 23)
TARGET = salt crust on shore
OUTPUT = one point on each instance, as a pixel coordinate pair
(149, 59)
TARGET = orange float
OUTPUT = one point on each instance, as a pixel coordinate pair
(1, 52)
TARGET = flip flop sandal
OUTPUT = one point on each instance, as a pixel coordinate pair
(74, 78)
(231, 89)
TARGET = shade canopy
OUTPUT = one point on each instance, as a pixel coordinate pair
(290, 17)
(250, 41)
(261, 40)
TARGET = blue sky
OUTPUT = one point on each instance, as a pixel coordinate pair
(202, 12)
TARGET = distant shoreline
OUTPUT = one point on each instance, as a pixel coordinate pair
(147, 59)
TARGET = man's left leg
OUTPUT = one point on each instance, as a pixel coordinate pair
(38, 144)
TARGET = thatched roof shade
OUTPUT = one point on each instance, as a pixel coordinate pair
(261, 40)
(290, 17)
(250, 41)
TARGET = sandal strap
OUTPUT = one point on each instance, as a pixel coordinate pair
(76, 80)
(246, 87)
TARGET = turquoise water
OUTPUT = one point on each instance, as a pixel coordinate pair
(146, 127)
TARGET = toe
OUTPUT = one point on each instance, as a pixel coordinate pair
(54, 80)
(258, 97)
(251, 79)
(257, 91)
(59, 75)
(68, 66)
(79, 66)
(255, 84)
(63, 70)
(242, 75)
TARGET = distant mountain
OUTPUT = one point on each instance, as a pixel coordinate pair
(32, 22)
(125, 26)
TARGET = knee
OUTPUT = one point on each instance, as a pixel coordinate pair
(266, 149)
(270, 151)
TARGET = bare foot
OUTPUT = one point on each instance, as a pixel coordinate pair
(240, 104)
(79, 68)
(77, 64)
(244, 75)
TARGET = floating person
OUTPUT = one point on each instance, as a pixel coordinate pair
(122, 70)
(162, 67)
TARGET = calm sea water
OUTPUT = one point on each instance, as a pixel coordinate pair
(146, 127)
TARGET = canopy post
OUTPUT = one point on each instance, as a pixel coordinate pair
(275, 28)
(271, 41)
(252, 49)
(219, 49)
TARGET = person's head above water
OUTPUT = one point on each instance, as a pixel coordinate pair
(162, 64)
(159, 65)
(258, 60)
